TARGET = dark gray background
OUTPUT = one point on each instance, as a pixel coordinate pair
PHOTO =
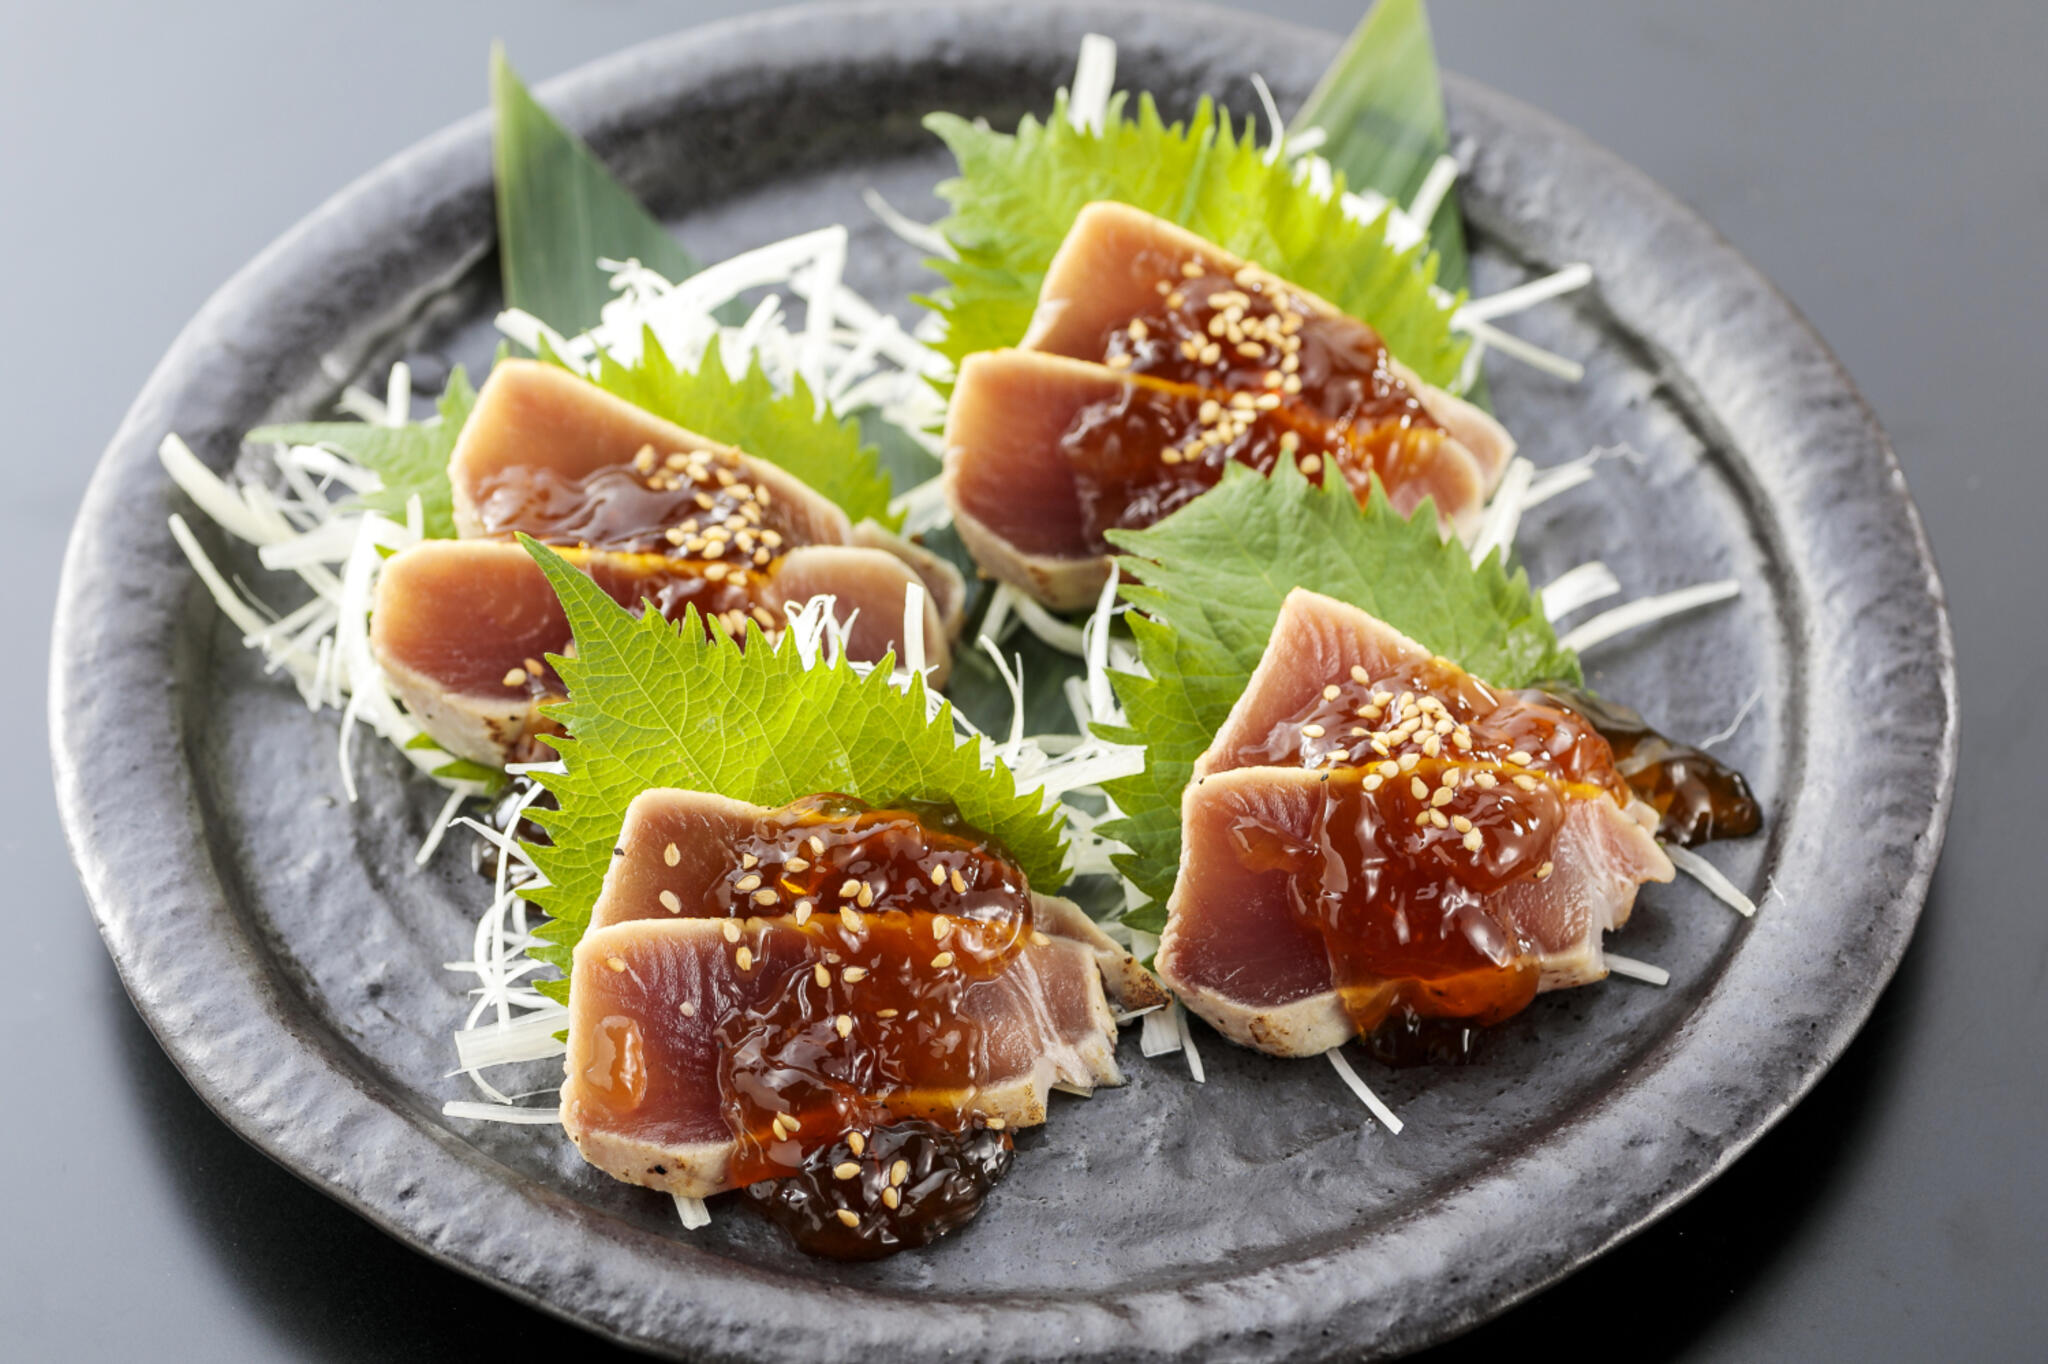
(1883, 162)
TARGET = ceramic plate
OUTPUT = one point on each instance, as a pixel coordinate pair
(288, 955)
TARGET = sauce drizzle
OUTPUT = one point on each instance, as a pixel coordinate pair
(1441, 793)
(860, 1046)
(1239, 368)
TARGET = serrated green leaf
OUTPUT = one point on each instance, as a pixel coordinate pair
(789, 430)
(1381, 108)
(652, 705)
(559, 209)
(1209, 581)
(412, 460)
(1017, 194)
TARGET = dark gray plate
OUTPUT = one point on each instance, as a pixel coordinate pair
(282, 949)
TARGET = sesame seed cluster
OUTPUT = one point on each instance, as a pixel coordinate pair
(1477, 764)
(1234, 365)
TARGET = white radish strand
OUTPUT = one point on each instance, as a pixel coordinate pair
(1528, 352)
(1709, 875)
(923, 236)
(1430, 194)
(1364, 1091)
(1179, 1014)
(1632, 969)
(1094, 83)
(1522, 297)
(1504, 514)
(1578, 587)
(1647, 611)
(1723, 735)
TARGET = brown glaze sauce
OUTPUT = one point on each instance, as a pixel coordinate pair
(689, 505)
(1441, 792)
(906, 908)
(1238, 368)
(940, 1177)
(1697, 797)
(680, 530)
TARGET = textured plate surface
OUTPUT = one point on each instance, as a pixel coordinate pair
(281, 946)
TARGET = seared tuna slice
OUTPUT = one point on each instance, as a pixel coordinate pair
(654, 1005)
(462, 628)
(1184, 359)
(560, 459)
(756, 984)
(1377, 834)
(674, 857)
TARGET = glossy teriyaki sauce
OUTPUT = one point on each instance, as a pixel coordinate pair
(905, 910)
(682, 530)
(695, 505)
(1698, 798)
(1441, 792)
(1239, 368)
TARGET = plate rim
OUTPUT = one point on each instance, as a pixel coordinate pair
(1291, 1305)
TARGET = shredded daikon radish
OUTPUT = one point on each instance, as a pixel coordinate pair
(923, 236)
(1049, 628)
(1637, 970)
(531, 1037)
(1525, 296)
(1430, 194)
(1723, 735)
(693, 1212)
(1159, 1036)
(1094, 83)
(1504, 514)
(1647, 610)
(1363, 1091)
(1528, 352)
(1187, 1042)
(1578, 587)
(1708, 875)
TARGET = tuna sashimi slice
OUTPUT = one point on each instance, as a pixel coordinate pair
(1107, 271)
(1156, 359)
(735, 1003)
(674, 857)
(1375, 829)
(462, 628)
(552, 455)
(642, 1098)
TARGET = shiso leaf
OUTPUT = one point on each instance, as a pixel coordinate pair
(1209, 581)
(1381, 108)
(411, 460)
(559, 210)
(792, 431)
(652, 705)
(1017, 194)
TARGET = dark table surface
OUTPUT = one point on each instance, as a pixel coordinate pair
(1883, 161)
